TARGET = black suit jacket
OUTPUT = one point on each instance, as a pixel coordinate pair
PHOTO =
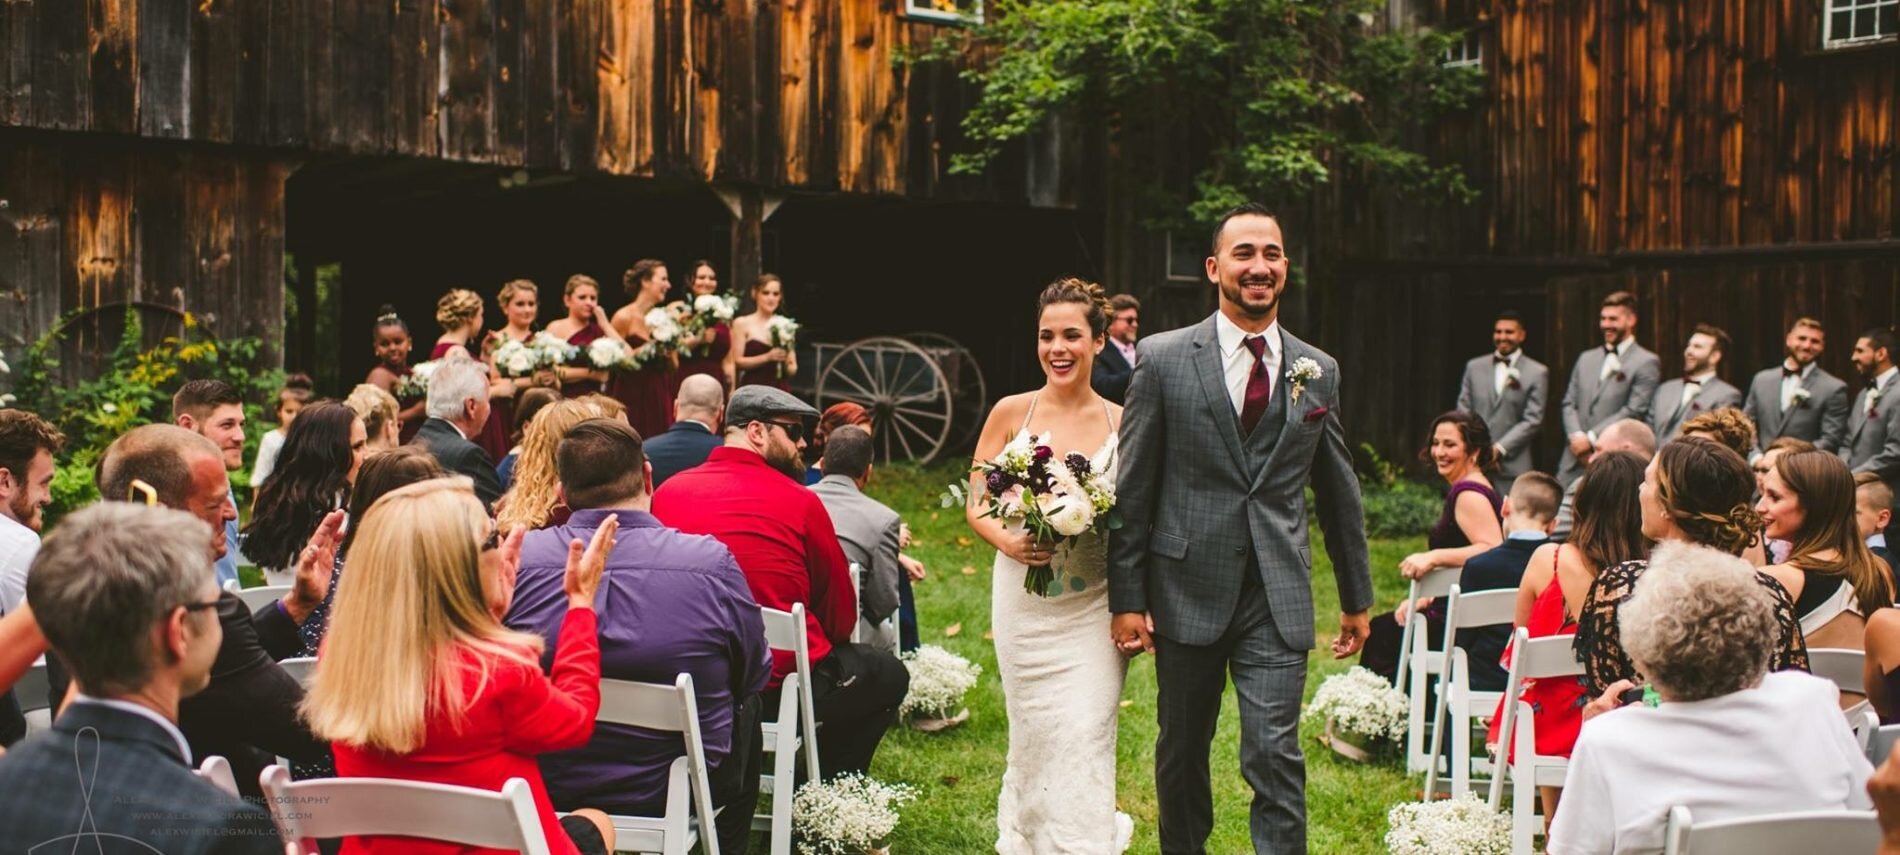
(683, 446)
(1499, 568)
(104, 779)
(1112, 373)
(461, 457)
(1885, 555)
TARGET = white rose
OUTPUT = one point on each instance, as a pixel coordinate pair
(520, 362)
(1068, 515)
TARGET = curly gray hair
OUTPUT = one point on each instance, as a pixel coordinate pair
(1698, 626)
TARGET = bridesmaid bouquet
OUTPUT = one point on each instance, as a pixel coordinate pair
(416, 383)
(1056, 501)
(524, 358)
(608, 353)
(781, 332)
(706, 311)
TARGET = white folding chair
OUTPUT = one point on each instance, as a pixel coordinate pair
(673, 709)
(1843, 666)
(1773, 834)
(233, 586)
(308, 811)
(1417, 662)
(1531, 659)
(857, 596)
(300, 667)
(1866, 724)
(31, 691)
(795, 729)
(1880, 744)
(216, 771)
(263, 595)
(1455, 695)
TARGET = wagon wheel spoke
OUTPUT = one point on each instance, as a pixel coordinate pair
(908, 453)
(865, 395)
(927, 414)
(902, 422)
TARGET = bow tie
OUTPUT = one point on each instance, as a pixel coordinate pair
(1790, 372)
(1500, 359)
(1609, 349)
(1691, 381)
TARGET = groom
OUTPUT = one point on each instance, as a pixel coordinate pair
(1226, 423)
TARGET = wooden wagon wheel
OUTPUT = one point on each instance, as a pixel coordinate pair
(903, 388)
(966, 386)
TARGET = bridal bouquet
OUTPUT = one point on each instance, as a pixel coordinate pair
(1461, 826)
(1057, 501)
(938, 681)
(847, 815)
(416, 383)
(524, 358)
(1362, 703)
(781, 332)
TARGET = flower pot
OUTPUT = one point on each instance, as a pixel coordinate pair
(1352, 746)
(934, 725)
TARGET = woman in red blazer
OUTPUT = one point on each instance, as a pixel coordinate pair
(419, 680)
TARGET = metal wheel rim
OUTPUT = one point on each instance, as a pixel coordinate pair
(970, 410)
(911, 403)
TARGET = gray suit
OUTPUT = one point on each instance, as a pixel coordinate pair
(1873, 444)
(868, 531)
(1820, 419)
(1667, 416)
(1214, 547)
(1592, 402)
(1514, 417)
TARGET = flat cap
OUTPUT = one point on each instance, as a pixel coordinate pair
(760, 403)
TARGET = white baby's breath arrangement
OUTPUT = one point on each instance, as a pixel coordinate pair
(848, 815)
(1360, 702)
(1461, 826)
(938, 681)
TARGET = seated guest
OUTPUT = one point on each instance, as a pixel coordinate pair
(785, 542)
(27, 446)
(1880, 672)
(1529, 513)
(1773, 551)
(316, 468)
(214, 410)
(670, 603)
(1627, 435)
(380, 413)
(868, 531)
(123, 592)
(1873, 511)
(1808, 500)
(382, 473)
(1727, 426)
(1728, 739)
(458, 410)
(534, 500)
(530, 402)
(697, 414)
(835, 416)
(438, 690)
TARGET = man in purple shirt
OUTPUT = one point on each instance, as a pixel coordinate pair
(669, 602)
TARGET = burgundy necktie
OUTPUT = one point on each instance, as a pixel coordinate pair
(1259, 386)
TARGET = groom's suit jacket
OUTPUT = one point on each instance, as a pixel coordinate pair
(1201, 504)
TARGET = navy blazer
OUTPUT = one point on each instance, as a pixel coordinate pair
(461, 457)
(1112, 373)
(1500, 568)
(107, 779)
(683, 446)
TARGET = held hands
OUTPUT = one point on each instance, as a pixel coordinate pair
(316, 563)
(1354, 628)
(912, 567)
(585, 565)
(1133, 632)
(1580, 446)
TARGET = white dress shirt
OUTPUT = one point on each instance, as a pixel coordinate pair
(1691, 387)
(18, 545)
(1127, 349)
(1613, 360)
(184, 748)
(1501, 371)
(1791, 382)
(1237, 360)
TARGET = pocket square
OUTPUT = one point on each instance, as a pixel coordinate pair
(1317, 414)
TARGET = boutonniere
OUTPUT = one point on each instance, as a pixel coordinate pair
(1619, 377)
(1510, 378)
(1303, 371)
(1873, 397)
(1800, 396)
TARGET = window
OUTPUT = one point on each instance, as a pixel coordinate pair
(1468, 51)
(1187, 257)
(1851, 22)
(946, 11)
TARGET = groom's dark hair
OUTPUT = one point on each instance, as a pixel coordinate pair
(1244, 209)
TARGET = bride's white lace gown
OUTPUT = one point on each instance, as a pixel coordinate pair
(1062, 683)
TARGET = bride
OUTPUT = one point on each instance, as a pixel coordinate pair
(1062, 676)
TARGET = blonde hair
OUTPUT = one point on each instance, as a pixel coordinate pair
(514, 287)
(457, 307)
(374, 405)
(577, 282)
(415, 605)
(531, 501)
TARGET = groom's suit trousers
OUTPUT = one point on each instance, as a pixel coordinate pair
(1269, 677)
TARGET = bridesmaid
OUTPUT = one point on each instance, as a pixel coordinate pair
(712, 354)
(391, 336)
(647, 392)
(459, 313)
(585, 322)
(520, 303)
(758, 362)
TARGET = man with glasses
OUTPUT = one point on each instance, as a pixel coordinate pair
(750, 495)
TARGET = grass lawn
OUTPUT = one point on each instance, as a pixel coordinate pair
(957, 773)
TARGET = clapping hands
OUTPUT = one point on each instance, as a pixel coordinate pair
(586, 564)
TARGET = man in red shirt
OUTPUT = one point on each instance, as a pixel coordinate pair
(750, 494)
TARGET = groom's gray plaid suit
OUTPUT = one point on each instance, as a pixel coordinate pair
(1214, 546)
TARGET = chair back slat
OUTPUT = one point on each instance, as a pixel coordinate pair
(1481, 608)
(1839, 664)
(300, 667)
(347, 807)
(1549, 656)
(1880, 746)
(263, 595)
(1436, 583)
(216, 771)
(1804, 831)
(649, 705)
(782, 630)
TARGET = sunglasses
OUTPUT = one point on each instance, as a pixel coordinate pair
(794, 431)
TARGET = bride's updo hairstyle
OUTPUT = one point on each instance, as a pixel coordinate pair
(1090, 296)
(1708, 491)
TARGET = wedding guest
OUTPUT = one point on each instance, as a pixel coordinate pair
(458, 408)
(391, 337)
(1727, 425)
(669, 603)
(1507, 389)
(215, 411)
(1798, 399)
(1873, 425)
(459, 313)
(1627, 435)
(1694, 491)
(1774, 551)
(712, 354)
(648, 390)
(382, 473)
(532, 401)
(1529, 513)
(1873, 512)
(1728, 740)
(1808, 500)
(1116, 364)
(326, 447)
(296, 393)
(382, 419)
(1884, 788)
(1698, 390)
(534, 500)
(122, 592)
(835, 416)
(701, 410)
(790, 554)
(440, 691)
(1880, 671)
(584, 323)
(27, 447)
(847, 413)
(867, 529)
(760, 362)
(1607, 384)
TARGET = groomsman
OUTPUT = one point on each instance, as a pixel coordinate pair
(1873, 427)
(1115, 365)
(1698, 390)
(1798, 398)
(1507, 389)
(1608, 384)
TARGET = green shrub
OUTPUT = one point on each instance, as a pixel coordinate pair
(1395, 505)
